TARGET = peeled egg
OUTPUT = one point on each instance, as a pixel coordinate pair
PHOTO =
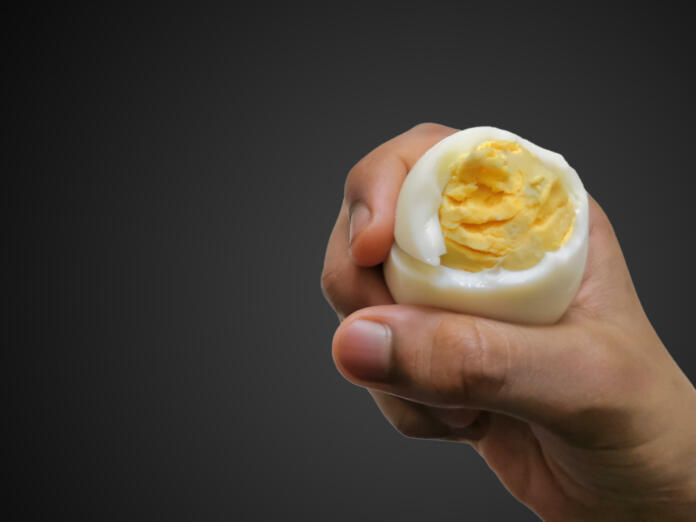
(515, 218)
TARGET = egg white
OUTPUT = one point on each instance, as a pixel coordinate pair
(414, 275)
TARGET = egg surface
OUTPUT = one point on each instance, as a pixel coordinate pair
(490, 224)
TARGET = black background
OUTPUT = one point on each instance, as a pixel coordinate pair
(174, 177)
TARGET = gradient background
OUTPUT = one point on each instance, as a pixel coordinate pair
(174, 178)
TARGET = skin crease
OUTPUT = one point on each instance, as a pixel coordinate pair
(586, 419)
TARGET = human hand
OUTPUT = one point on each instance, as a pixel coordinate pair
(586, 419)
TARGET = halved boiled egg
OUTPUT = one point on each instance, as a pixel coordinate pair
(490, 224)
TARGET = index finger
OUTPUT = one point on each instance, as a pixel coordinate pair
(373, 186)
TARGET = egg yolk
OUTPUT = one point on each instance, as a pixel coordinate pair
(502, 206)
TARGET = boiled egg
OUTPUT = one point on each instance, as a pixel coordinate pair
(490, 224)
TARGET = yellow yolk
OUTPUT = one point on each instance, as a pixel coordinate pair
(502, 206)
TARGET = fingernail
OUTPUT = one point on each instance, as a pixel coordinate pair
(365, 350)
(359, 219)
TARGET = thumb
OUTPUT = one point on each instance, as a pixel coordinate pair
(540, 374)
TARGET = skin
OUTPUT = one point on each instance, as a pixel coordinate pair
(586, 419)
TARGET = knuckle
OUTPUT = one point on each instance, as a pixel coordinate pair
(467, 362)
(427, 127)
(410, 430)
(358, 176)
(413, 427)
(330, 284)
(597, 209)
(599, 220)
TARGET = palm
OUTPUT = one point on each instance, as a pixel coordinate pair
(529, 459)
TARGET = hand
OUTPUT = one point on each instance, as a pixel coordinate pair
(586, 419)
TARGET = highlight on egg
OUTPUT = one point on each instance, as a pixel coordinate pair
(490, 224)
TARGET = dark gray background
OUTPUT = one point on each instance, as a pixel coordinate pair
(176, 175)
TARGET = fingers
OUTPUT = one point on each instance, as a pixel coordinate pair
(449, 360)
(348, 287)
(419, 421)
(512, 451)
(350, 279)
(372, 189)
(409, 418)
